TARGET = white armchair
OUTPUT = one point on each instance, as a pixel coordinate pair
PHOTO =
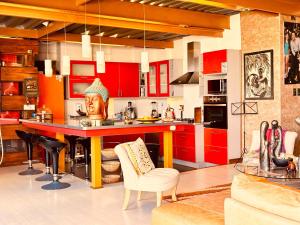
(252, 156)
(157, 180)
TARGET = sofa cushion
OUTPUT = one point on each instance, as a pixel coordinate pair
(272, 198)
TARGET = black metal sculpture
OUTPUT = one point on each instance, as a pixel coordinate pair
(264, 159)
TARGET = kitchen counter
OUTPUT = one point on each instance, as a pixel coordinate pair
(73, 127)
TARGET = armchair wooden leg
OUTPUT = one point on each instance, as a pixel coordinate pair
(126, 199)
(174, 198)
(139, 195)
(159, 199)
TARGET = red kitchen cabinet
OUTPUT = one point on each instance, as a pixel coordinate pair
(82, 69)
(215, 146)
(158, 79)
(110, 78)
(78, 86)
(214, 61)
(184, 144)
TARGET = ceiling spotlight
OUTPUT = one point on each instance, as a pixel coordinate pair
(152, 3)
(161, 4)
(142, 2)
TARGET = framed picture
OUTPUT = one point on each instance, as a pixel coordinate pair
(291, 53)
(258, 75)
(31, 87)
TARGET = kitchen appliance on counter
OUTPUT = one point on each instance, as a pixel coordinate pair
(169, 114)
(130, 112)
(215, 112)
(154, 111)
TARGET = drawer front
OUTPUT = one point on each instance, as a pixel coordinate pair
(216, 155)
(215, 137)
(184, 140)
(185, 153)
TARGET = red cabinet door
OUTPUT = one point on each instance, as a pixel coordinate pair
(129, 79)
(216, 155)
(80, 69)
(78, 86)
(212, 61)
(215, 137)
(152, 82)
(110, 78)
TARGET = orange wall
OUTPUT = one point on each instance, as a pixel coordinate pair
(51, 94)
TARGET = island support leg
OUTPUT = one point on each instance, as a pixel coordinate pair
(61, 161)
(168, 149)
(96, 177)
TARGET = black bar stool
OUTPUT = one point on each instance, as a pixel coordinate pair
(86, 144)
(47, 176)
(29, 139)
(72, 141)
(54, 147)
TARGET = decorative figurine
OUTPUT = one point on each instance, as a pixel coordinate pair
(96, 101)
(291, 168)
(264, 156)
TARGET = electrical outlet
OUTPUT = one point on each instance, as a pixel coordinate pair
(78, 106)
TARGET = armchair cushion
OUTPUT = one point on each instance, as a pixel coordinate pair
(139, 156)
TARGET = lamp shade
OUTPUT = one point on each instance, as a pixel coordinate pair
(65, 65)
(48, 68)
(100, 60)
(86, 47)
(144, 62)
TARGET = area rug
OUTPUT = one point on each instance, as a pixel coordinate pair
(209, 190)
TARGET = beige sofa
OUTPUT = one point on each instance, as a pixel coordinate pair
(253, 201)
(256, 201)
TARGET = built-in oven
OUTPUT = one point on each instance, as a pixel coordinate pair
(216, 86)
(215, 112)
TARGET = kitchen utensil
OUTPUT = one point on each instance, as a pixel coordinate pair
(154, 112)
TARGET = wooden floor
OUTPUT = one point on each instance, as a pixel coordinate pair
(23, 202)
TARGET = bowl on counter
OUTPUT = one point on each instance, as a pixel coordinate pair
(112, 178)
(111, 166)
(147, 119)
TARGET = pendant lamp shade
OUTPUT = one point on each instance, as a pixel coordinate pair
(86, 46)
(65, 65)
(100, 60)
(48, 68)
(145, 62)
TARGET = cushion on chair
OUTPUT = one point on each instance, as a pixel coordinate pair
(158, 179)
(139, 156)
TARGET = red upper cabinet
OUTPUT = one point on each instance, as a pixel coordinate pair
(158, 79)
(110, 78)
(82, 69)
(215, 62)
(129, 80)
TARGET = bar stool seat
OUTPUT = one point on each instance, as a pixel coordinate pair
(54, 147)
(47, 175)
(29, 139)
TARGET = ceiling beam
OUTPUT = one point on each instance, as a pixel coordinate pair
(214, 4)
(11, 9)
(76, 38)
(81, 2)
(52, 27)
(167, 15)
(19, 33)
(290, 7)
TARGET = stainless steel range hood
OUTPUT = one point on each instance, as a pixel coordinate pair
(193, 62)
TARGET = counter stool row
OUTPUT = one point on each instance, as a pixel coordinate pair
(52, 147)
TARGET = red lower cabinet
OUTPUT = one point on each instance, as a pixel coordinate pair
(184, 144)
(215, 146)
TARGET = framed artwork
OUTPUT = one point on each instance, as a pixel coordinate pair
(291, 53)
(31, 87)
(258, 75)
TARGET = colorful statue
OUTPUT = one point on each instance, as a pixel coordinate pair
(96, 101)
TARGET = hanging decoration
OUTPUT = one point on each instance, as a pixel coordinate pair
(48, 62)
(144, 54)
(65, 59)
(100, 57)
(86, 40)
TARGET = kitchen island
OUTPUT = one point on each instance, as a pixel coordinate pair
(73, 127)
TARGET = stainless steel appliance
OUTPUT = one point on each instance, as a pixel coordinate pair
(215, 112)
(216, 86)
(130, 111)
(154, 111)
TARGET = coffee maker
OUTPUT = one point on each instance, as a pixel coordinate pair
(130, 111)
(154, 112)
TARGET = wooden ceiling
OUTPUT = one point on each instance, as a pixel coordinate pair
(122, 21)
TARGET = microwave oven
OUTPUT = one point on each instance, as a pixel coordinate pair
(217, 87)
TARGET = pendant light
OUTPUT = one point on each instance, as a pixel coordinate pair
(65, 59)
(86, 47)
(100, 57)
(144, 54)
(48, 62)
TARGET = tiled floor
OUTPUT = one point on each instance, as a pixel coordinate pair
(22, 202)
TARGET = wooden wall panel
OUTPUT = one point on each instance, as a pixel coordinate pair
(18, 73)
(13, 102)
(9, 131)
(17, 158)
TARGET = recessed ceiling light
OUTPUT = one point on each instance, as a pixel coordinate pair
(114, 36)
(152, 3)
(161, 4)
(142, 2)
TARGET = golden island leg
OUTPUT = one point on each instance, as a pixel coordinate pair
(61, 163)
(96, 147)
(168, 149)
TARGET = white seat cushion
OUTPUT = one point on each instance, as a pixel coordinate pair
(159, 179)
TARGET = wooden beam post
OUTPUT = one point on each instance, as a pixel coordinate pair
(19, 33)
(53, 27)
